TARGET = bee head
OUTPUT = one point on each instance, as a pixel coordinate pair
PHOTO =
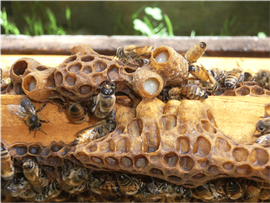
(260, 126)
(36, 126)
(120, 52)
(108, 89)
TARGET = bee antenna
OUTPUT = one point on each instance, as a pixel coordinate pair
(42, 131)
(35, 133)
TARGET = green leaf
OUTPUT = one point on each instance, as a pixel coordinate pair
(169, 25)
(261, 35)
(68, 14)
(154, 12)
(51, 16)
(192, 34)
(149, 24)
(142, 27)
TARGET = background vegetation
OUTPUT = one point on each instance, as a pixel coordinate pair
(177, 18)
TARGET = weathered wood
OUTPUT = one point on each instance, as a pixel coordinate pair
(53, 44)
(235, 116)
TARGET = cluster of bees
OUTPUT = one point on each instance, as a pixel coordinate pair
(32, 184)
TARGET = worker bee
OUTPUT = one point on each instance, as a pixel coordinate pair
(208, 81)
(50, 191)
(263, 78)
(204, 192)
(128, 185)
(26, 110)
(264, 194)
(103, 186)
(249, 77)
(264, 140)
(96, 131)
(133, 53)
(233, 189)
(1, 76)
(76, 113)
(7, 168)
(189, 92)
(34, 175)
(234, 77)
(263, 126)
(73, 176)
(195, 52)
(218, 74)
(252, 191)
(104, 101)
(15, 187)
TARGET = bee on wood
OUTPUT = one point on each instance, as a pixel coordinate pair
(104, 101)
(199, 72)
(234, 77)
(103, 186)
(76, 113)
(263, 78)
(189, 92)
(133, 53)
(35, 175)
(7, 168)
(263, 126)
(128, 185)
(195, 52)
(26, 110)
(96, 131)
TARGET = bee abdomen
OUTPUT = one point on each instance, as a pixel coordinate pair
(7, 168)
(251, 192)
(76, 113)
(193, 92)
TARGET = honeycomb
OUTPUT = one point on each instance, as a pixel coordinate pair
(177, 142)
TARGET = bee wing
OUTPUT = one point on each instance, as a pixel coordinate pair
(17, 110)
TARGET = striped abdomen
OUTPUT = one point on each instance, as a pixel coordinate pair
(76, 113)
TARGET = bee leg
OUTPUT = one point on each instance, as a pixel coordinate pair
(44, 121)
(42, 107)
(35, 133)
(41, 131)
(29, 131)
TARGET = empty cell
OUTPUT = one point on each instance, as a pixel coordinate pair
(113, 72)
(111, 161)
(243, 91)
(87, 58)
(97, 160)
(85, 89)
(34, 149)
(156, 172)
(213, 169)
(29, 83)
(42, 68)
(203, 162)
(82, 157)
(56, 147)
(70, 80)
(19, 67)
(228, 165)
(199, 176)
(126, 161)
(130, 70)
(135, 127)
(54, 160)
(223, 145)
(207, 126)
(70, 59)
(258, 157)
(202, 147)
(123, 145)
(186, 163)
(174, 178)
(240, 154)
(75, 67)
(87, 69)
(171, 159)
(58, 78)
(183, 145)
(20, 149)
(169, 122)
(140, 161)
(99, 66)
(243, 169)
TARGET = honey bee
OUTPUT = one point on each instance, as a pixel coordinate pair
(263, 126)
(73, 177)
(249, 77)
(1, 75)
(134, 53)
(252, 191)
(104, 101)
(264, 140)
(264, 194)
(26, 110)
(128, 185)
(195, 52)
(103, 186)
(50, 191)
(233, 189)
(204, 192)
(96, 131)
(218, 74)
(199, 72)
(15, 188)
(7, 168)
(263, 78)
(234, 77)
(189, 92)
(34, 175)
(76, 113)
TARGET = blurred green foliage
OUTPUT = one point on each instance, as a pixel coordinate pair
(152, 24)
(9, 27)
